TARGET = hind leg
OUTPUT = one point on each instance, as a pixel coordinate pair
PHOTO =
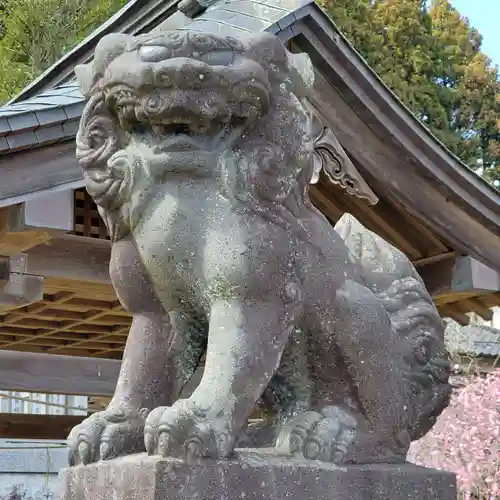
(366, 343)
(161, 354)
(357, 413)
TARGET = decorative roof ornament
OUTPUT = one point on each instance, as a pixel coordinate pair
(330, 157)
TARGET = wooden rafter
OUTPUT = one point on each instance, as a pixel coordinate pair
(85, 321)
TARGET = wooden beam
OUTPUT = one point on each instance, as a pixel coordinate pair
(369, 217)
(492, 300)
(434, 259)
(71, 257)
(52, 373)
(4, 221)
(4, 271)
(470, 274)
(13, 243)
(15, 237)
(450, 279)
(464, 214)
(20, 289)
(26, 426)
(29, 174)
(437, 276)
(476, 306)
(325, 204)
(451, 311)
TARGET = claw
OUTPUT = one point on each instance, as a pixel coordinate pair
(312, 449)
(296, 442)
(193, 450)
(150, 443)
(164, 442)
(104, 450)
(84, 452)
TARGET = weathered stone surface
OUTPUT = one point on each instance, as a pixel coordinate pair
(252, 475)
(198, 150)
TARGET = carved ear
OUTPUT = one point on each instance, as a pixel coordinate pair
(302, 74)
(108, 48)
(85, 76)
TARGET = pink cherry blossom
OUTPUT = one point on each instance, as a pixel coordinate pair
(466, 439)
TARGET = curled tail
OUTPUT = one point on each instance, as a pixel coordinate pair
(417, 325)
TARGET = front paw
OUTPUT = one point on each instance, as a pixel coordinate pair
(324, 435)
(107, 434)
(184, 431)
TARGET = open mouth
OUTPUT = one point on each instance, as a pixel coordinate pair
(177, 120)
(187, 133)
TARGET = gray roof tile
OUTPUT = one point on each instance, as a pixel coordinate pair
(219, 15)
(48, 135)
(22, 140)
(23, 121)
(4, 145)
(219, 28)
(254, 9)
(4, 126)
(70, 127)
(249, 23)
(55, 113)
(75, 109)
(473, 340)
(66, 94)
(251, 16)
(51, 116)
(303, 11)
(286, 21)
(290, 5)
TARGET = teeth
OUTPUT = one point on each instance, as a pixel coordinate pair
(194, 126)
(180, 121)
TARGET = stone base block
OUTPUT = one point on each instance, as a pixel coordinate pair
(252, 475)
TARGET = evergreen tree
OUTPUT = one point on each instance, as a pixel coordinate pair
(431, 58)
(36, 33)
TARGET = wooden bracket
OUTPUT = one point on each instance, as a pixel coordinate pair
(329, 157)
(15, 237)
(19, 289)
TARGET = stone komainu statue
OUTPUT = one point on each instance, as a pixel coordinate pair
(197, 150)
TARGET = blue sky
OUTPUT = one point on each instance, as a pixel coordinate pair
(485, 16)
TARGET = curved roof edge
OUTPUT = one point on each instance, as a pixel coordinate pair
(407, 122)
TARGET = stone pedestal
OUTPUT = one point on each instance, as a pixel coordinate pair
(252, 475)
